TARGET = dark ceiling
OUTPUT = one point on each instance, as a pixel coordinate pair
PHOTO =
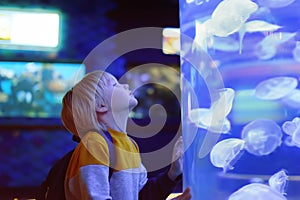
(145, 13)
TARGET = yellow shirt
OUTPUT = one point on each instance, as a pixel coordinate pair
(88, 170)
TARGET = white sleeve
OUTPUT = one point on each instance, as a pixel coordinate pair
(94, 183)
(143, 177)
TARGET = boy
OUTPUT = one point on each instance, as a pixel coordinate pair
(96, 108)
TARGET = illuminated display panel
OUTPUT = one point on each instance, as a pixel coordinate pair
(35, 89)
(171, 41)
(23, 29)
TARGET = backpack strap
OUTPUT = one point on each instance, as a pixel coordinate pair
(134, 143)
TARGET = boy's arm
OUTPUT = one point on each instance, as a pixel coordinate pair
(88, 171)
(94, 182)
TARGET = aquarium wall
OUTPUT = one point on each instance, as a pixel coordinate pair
(240, 69)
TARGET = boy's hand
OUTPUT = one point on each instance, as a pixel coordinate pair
(186, 195)
(177, 160)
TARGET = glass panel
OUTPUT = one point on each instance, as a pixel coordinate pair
(240, 98)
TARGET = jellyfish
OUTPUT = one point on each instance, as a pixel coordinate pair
(275, 39)
(288, 141)
(296, 137)
(292, 99)
(215, 117)
(224, 24)
(275, 88)
(226, 153)
(221, 23)
(292, 128)
(261, 136)
(204, 118)
(189, 1)
(289, 127)
(223, 103)
(265, 52)
(278, 181)
(197, 2)
(259, 26)
(271, 42)
(259, 191)
(275, 3)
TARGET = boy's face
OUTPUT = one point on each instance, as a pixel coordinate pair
(119, 96)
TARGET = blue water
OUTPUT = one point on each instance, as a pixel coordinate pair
(251, 47)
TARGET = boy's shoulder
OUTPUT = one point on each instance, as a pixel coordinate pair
(93, 137)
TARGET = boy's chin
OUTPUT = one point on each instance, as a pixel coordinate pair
(133, 103)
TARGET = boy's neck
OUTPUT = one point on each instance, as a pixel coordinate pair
(116, 121)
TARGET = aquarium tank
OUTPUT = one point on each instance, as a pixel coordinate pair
(240, 106)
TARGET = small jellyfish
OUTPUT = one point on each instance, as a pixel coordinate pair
(259, 191)
(222, 104)
(265, 52)
(261, 136)
(275, 88)
(296, 137)
(256, 191)
(292, 99)
(277, 38)
(226, 153)
(224, 24)
(288, 141)
(267, 48)
(275, 3)
(215, 117)
(296, 120)
(197, 2)
(189, 1)
(260, 26)
(204, 118)
(292, 128)
(289, 127)
(278, 181)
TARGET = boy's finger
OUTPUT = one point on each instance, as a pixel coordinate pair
(185, 195)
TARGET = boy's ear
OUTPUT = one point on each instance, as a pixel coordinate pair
(102, 109)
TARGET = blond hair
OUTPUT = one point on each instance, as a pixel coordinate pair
(79, 104)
